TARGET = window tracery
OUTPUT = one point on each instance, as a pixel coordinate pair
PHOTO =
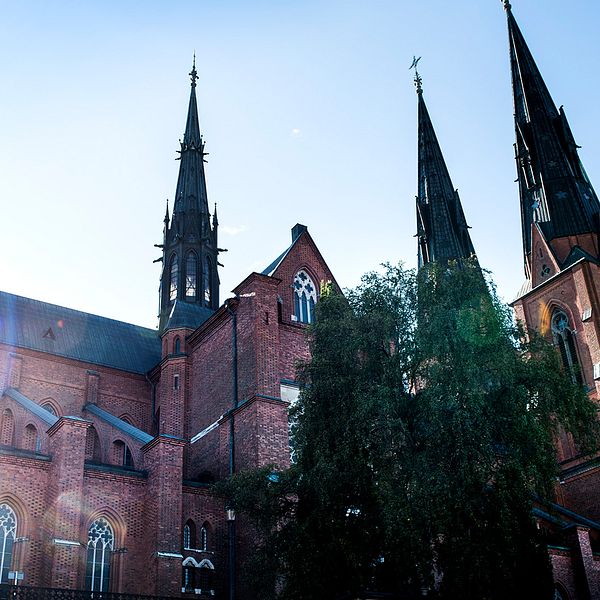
(564, 338)
(8, 534)
(100, 546)
(305, 297)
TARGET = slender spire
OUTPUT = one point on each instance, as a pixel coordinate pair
(191, 185)
(554, 189)
(190, 251)
(442, 229)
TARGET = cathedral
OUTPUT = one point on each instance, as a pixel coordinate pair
(111, 434)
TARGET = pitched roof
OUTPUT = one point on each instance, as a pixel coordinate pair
(36, 325)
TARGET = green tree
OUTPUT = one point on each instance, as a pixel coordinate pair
(424, 428)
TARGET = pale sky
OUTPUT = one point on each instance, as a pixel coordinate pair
(308, 111)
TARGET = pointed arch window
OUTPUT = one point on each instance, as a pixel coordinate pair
(191, 269)
(204, 537)
(8, 534)
(189, 535)
(564, 338)
(305, 297)
(173, 277)
(206, 284)
(100, 546)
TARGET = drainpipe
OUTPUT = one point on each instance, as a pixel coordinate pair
(229, 511)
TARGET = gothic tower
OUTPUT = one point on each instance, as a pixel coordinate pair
(558, 202)
(442, 230)
(189, 275)
(559, 215)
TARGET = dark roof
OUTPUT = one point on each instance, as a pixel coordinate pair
(441, 225)
(123, 426)
(188, 316)
(27, 323)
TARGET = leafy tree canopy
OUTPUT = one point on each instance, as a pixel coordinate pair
(425, 425)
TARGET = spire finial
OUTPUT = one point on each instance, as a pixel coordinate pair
(193, 73)
(506, 4)
(418, 78)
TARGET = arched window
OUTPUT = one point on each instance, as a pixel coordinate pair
(100, 546)
(189, 535)
(206, 578)
(121, 454)
(8, 533)
(204, 537)
(174, 274)
(206, 283)
(565, 340)
(177, 346)
(30, 438)
(7, 428)
(191, 268)
(305, 297)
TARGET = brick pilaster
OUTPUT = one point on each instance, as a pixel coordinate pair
(65, 500)
(163, 458)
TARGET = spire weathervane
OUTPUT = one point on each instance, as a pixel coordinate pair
(506, 4)
(193, 73)
(418, 78)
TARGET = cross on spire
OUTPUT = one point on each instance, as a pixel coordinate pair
(418, 79)
(193, 73)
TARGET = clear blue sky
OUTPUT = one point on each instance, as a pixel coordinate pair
(309, 115)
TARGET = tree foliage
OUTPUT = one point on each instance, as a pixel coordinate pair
(425, 426)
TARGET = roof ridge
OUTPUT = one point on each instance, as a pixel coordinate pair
(76, 310)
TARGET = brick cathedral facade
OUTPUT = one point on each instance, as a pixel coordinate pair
(111, 434)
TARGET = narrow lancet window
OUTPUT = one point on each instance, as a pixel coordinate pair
(565, 340)
(207, 281)
(174, 274)
(191, 266)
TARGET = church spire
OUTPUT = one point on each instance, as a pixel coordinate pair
(553, 186)
(442, 229)
(190, 252)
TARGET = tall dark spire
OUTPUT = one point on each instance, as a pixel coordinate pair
(554, 189)
(442, 229)
(190, 242)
